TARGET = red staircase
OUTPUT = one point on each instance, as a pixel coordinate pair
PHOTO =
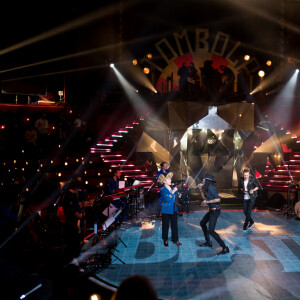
(117, 159)
(277, 180)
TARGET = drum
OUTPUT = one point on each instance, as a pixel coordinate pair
(297, 209)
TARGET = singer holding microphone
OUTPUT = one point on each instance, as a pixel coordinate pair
(169, 209)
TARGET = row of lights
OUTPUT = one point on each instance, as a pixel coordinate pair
(146, 70)
(260, 73)
(52, 162)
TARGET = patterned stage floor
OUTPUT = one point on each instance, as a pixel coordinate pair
(264, 262)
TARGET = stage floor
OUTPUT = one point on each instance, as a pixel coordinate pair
(264, 262)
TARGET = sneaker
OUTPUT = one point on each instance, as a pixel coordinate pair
(225, 250)
(206, 244)
(245, 227)
(251, 224)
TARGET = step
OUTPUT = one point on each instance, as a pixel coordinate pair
(99, 150)
(285, 166)
(276, 186)
(287, 178)
(277, 189)
(111, 155)
(123, 166)
(131, 171)
(123, 130)
(116, 135)
(145, 176)
(114, 160)
(104, 144)
(127, 166)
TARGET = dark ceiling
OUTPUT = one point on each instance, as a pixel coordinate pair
(266, 29)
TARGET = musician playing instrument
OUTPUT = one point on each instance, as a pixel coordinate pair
(164, 166)
(212, 199)
(169, 209)
(112, 183)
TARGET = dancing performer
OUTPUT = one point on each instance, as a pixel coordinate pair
(169, 209)
(249, 187)
(212, 199)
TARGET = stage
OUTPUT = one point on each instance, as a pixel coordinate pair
(263, 263)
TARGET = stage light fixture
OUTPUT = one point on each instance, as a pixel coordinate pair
(149, 55)
(112, 65)
(297, 70)
(246, 57)
(95, 297)
(135, 62)
(261, 73)
(268, 63)
(146, 70)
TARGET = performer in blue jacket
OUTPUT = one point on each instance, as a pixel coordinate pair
(169, 209)
(163, 171)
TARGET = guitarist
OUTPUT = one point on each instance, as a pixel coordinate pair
(211, 198)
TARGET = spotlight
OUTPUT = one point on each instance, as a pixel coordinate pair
(268, 63)
(297, 70)
(261, 73)
(146, 70)
(149, 55)
(112, 65)
(137, 91)
(246, 57)
(95, 297)
(134, 62)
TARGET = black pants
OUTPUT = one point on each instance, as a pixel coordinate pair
(166, 218)
(211, 217)
(248, 205)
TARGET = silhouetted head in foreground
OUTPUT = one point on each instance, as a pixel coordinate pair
(135, 287)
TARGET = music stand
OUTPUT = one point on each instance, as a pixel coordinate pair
(108, 223)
